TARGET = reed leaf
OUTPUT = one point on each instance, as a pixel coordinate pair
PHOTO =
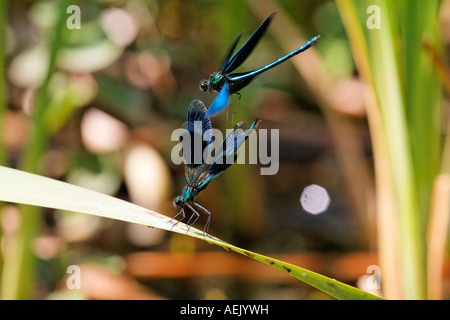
(31, 189)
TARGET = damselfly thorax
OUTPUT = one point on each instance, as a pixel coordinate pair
(215, 82)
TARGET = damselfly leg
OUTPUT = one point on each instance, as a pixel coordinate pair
(182, 213)
(194, 213)
(235, 109)
(205, 230)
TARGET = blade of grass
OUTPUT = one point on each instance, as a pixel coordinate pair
(409, 93)
(388, 86)
(401, 231)
(386, 206)
(440, 205)
(422, 92)
(31, 189)
(437, 235)
(439, 64)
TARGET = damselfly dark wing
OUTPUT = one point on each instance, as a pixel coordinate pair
(239, 57)
(231, 50)
(227, 154)
(236, 86)
(241, 79)
(198, 141)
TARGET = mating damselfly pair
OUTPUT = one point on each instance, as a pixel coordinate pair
(225, 82)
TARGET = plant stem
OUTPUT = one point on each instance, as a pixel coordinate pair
(388, 86)
(386, 206)
(404, 119)
(3, 97)
(18, 272)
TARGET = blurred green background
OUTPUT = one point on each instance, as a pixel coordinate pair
(105, 99)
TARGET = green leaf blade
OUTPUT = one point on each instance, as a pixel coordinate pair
(25, 188)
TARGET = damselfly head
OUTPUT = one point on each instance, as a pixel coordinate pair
(178, 202)
(204, 85)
